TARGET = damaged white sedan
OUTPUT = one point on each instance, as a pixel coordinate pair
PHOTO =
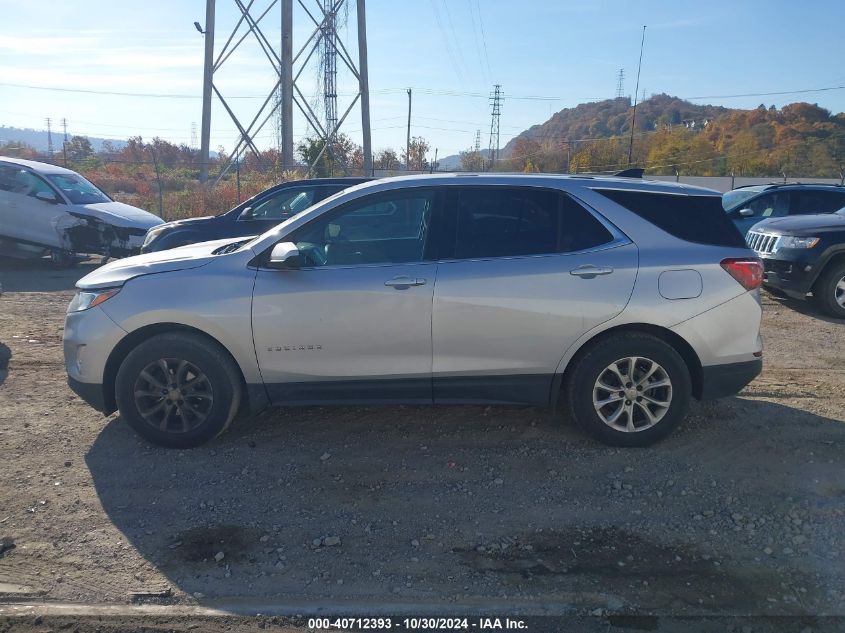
(49, 210)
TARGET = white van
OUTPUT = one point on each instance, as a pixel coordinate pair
(45, 209)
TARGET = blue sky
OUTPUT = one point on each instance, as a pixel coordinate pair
(450, 52)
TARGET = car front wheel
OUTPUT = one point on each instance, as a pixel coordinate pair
(178, 390)
(830, 291)
(630, 389)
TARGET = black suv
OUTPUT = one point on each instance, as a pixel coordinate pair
(255, 216)
(747, 206)
(804, 254)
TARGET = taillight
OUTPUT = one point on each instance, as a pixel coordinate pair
(748, 272)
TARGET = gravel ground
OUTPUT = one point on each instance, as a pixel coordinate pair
(741, 511)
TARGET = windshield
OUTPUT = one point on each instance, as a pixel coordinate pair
(732, 199)
(77, 189)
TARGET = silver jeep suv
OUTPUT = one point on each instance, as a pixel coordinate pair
(617, 300)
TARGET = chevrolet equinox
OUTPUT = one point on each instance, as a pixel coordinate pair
(616, 300)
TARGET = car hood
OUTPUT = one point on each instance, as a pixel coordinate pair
(189, 222)
(799, 224)
(120, 271)
(118, 214)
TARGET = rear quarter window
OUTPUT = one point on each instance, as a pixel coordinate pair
(698, 219)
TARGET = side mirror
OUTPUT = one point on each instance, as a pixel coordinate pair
(746, 213)
(47, 196)
(284, 255)
(246, 214)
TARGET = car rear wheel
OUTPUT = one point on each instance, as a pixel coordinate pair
(630, 389)
(829, 292)
(178, 390)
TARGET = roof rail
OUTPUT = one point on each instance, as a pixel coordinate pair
(632, 172)
(805, 184)
(791, 184)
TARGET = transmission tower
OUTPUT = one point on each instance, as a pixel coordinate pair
(620, 84)
(287, 91)
(193, 134)
(64, 140)
(477, 146)
(328, 58)
(49, 121)
(496, 104)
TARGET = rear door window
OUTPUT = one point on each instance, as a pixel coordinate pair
(508, 222)
(699, 219)
(813, 201)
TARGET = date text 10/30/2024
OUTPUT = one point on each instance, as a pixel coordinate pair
(416, 624)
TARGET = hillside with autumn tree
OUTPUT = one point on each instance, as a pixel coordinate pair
(675, 136)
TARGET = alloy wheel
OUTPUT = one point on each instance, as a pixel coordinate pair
(632, 394)
(173, 395)
(839, 293)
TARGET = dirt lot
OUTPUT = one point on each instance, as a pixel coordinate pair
(742, 511)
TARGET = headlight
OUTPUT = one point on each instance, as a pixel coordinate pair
(789, 241)
(85, 299)
(152, 234)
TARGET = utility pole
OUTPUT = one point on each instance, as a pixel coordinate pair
(636, 90)
(287, 85)
(364, 87)
(64, 141)
(620, 84)
(49, 137)
(408, 139)
(207, 78)
(496, 103)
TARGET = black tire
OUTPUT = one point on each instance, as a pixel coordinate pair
(596, 361)
(826, 293)
(212, 390)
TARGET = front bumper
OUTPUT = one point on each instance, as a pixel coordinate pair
(88, 340)
(719, 381)
(794, 278)
(91, 393)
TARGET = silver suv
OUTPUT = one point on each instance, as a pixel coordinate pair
(615, 299)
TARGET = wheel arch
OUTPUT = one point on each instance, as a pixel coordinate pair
(253, 398)
(833, 259)
(677, 342)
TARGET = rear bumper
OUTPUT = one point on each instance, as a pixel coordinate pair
(719, 381)
(91, 393)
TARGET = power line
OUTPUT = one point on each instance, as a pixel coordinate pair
(454, 35)
(484, 70)
(483, 39)
(428, 91)
(447, 42)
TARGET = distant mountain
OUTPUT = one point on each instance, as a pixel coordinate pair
(612, 117)
(38, 139)
(453, 161)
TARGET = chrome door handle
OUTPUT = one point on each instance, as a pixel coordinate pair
(404, 282)
(589, 271)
